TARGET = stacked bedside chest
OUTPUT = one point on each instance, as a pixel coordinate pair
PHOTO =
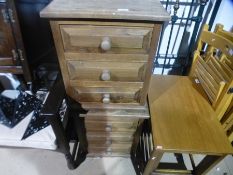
(106, 51)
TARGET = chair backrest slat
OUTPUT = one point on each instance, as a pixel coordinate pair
(219, 69)
(214, 67)
(216, 41)
(207, 77)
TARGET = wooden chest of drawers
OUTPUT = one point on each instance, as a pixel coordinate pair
(106, 53)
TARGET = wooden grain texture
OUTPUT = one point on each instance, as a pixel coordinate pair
(148, 10)
(215, 41)
(118, 71)
(61, 57)
(220, 31)
(110, 136)
(120, 148)
(117, 113)
(7, 42)
(88, 38)
(150, 63)
(19, 41)
(115, 126)
(100, 57)
(116, 94)
(182, 119)
(72, 70)
(94, 105)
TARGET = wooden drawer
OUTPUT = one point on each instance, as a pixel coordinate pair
(120, 148)
(109, 136)
(116, 114)
(109, 119)
(110, 126)
(107, 94)
(122, 39)
(107, 142)
(106, 71)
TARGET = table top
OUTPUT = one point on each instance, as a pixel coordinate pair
(150, 10)
(183, 119)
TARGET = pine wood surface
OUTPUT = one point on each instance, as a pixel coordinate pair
(183, 119)
(148, 10)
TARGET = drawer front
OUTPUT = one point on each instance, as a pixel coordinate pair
(107, 94)
(107, 142)
(109, 136)
(106, 71)
(109, 119)
(110, 126)
(121, 148)
(95, 39)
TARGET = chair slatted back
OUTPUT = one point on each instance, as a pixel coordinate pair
(226, 118)
(213, 72)
(211, 80)
(215, 43)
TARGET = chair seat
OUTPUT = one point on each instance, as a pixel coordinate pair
(182, 117)
(43, 139)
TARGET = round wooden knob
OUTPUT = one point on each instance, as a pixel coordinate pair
(108, 128)
(105, 76)
(106, 44)
(108, 142)
(109, 149)
(106, 98)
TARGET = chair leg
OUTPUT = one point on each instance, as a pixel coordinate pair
(79, 126)
(62, 141)
(207, 164)
(153, 162)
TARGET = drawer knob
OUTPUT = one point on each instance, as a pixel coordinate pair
(108, 142)
(106, 44)
(106, 98)
(105, 76)
(109, 150)
(108, 128)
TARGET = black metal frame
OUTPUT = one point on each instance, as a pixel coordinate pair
(63, 129)
(183, 57)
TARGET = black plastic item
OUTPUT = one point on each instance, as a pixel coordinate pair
(15, 110)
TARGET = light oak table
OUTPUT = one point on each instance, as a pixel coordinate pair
(183, 121)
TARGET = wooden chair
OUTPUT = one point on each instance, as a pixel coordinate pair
(185, 109)
(227, 119)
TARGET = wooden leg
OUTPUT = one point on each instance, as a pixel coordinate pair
(207, 164)
(153, 163)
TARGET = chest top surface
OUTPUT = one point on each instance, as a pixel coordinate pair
(149, 10)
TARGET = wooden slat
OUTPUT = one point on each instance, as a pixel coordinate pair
(208, 78)
(211, 72)
(206, 88)
(213, 68)
(219, 68)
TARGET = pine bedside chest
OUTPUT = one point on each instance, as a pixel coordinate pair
(106, 50)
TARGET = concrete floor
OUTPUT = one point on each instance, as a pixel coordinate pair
(43, 162)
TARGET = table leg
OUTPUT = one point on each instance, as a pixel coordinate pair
(153, 163)
(207, 164)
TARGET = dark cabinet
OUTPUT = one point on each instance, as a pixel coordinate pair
(12, 52)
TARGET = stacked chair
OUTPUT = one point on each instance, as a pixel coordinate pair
(185, 112)
(226, 117)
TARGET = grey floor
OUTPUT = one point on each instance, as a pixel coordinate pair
(43, 162)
